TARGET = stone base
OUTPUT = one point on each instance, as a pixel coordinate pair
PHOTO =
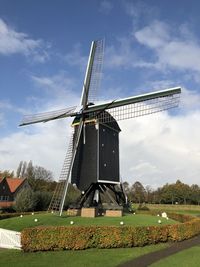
(74, 212)
(114, 213)
(89, 212)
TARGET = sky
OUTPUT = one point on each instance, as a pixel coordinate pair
(149, 45)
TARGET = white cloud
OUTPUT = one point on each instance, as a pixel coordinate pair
(2, 119)
(174, 49)
(45, 147)
(140, 12)
(161, 148)
(106, 6)
(155, 35)
(75, 58)
(45, 143)
(59, 92)
(12, 42)
(154, 149)
(120, 55)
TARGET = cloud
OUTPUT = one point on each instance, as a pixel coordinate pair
(106, 7)
(121, 55)
(44, 143)
(75, 58)
(2, 119)
(174, 49)
(58, 90)
(154, 149)
(140, 12)
(45, 146)
(161, 148)
(13, 42)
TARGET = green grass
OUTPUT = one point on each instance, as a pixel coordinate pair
(84, 258)
(186, 209)
(186, 258)
(18, 223)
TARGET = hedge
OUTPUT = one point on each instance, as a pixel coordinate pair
(16, 214)
(83, 237)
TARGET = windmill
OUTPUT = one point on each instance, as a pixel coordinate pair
(92, 158)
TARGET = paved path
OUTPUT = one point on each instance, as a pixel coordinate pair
(148, 259)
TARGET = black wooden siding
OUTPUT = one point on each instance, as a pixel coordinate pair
(98, 158)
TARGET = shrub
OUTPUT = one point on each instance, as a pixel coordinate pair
(42, 200)
(83, 237)
(25, 201)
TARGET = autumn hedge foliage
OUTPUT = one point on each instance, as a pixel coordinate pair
(83, 237)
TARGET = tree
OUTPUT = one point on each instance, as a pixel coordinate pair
(42, 200)
(19, 169)
(23, 169)
(25, 201)
(137, 193)
(41, 173)
(38, 177)
(42, 179)
(73, 193)
(195, 194)
(149, 194)
(7, 173)
(29, 171)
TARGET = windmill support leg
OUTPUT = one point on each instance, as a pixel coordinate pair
(111, 197)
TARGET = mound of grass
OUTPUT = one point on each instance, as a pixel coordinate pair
(20, 223)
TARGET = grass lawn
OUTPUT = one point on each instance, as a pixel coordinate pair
(18, 223)
(183, 209)
(83, 258)
(186, 258)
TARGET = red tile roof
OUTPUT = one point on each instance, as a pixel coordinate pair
(14, 183)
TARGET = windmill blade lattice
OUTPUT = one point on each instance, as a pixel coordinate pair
(63, 182)
(96, 73)
(47, 116)
(133, 110)
(58, 199)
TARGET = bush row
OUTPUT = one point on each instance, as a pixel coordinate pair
(15, 214)
(83, 237)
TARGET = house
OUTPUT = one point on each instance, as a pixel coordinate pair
(9, 188)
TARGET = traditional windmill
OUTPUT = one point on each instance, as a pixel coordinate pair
(92, 159)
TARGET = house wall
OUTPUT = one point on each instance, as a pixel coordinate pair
(5, 194)
(7, 198)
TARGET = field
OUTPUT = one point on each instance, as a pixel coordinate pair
(96, 257)
(83, 258)
(18, 223)
(184, 209)
(186, 258)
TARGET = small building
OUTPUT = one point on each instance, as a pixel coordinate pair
(9, 188)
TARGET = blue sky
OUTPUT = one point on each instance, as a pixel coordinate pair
(150, 45)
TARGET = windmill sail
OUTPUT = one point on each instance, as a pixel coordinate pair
(47, 116)
(58, 199)
(96, 74)
(135, 106)
(93, 73)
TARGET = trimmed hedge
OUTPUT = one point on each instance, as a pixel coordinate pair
(83, 237)
(16, 214)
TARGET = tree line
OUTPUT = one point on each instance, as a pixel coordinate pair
(174, 193)
(42, 185)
